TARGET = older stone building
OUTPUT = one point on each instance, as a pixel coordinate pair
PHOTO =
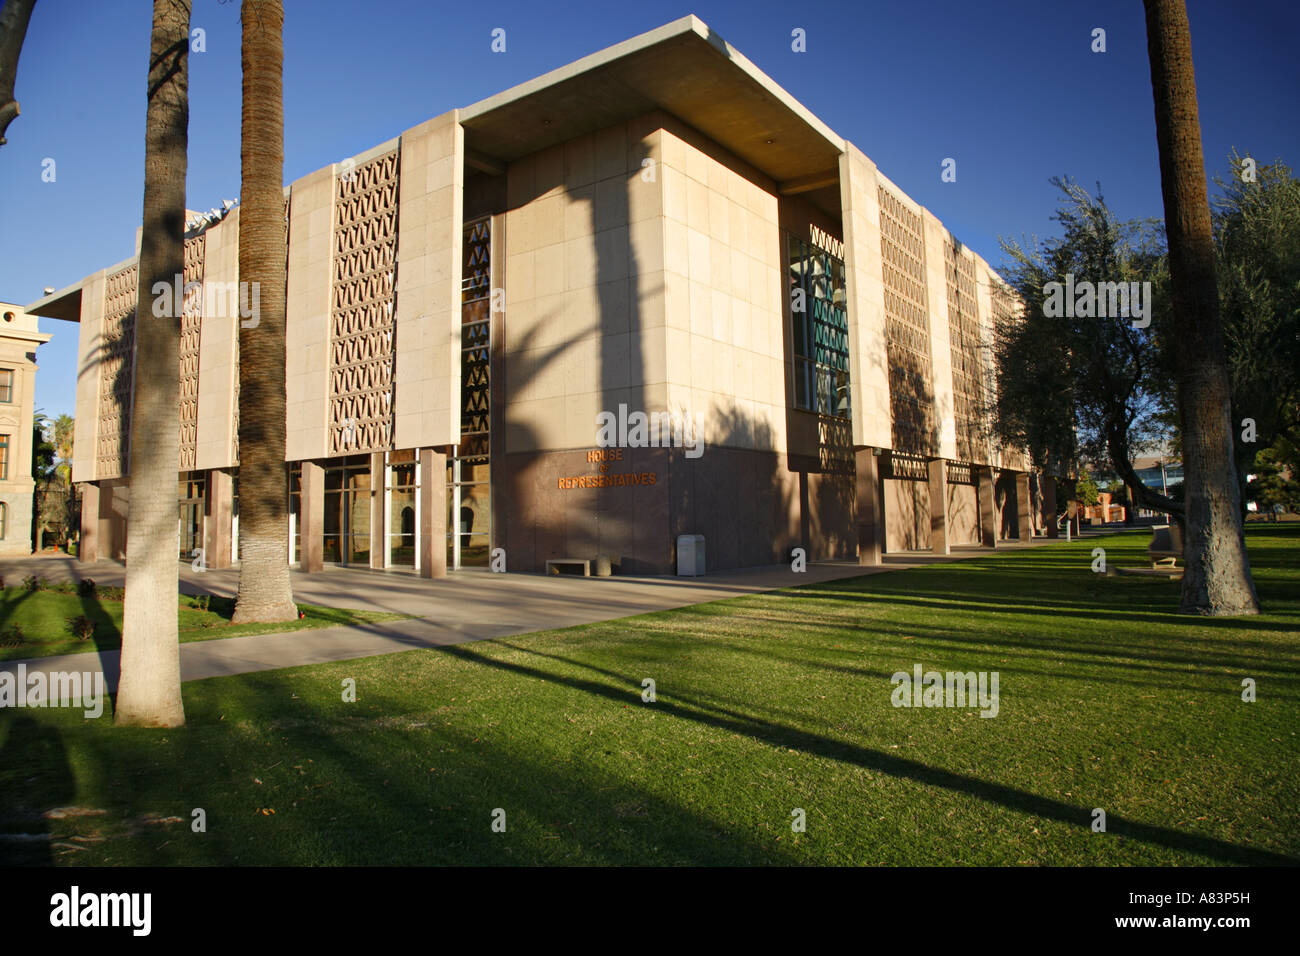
(644, 295)
(19, 340)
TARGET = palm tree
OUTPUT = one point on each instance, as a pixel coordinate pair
(265, 591)
(14, 16)
(149, 693)
(1217, 578)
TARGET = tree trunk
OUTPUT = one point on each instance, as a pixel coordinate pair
(265, 591)
(14, 16)
(149, 693)
(1217, 578)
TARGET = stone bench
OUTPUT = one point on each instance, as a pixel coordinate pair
(1166, 545)
(554, 564)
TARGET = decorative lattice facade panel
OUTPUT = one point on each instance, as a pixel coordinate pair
(835, 446)
(116, 375)
(191, 317)
(964, 336)
(364, 268)
(961, 473)
(905, 467)
(476, 342)
(1006, 309)
(907, 327)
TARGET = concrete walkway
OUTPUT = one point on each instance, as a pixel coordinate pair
(465, 606)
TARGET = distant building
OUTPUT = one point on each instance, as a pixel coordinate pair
(19, 340)
(1159, 474)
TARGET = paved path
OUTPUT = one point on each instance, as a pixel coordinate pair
(465, 606)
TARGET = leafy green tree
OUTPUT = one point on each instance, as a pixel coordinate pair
(1257, 240)
(42, 449)
(1274, 481)
(1086, 490)
(64, 428)
(1073, 385)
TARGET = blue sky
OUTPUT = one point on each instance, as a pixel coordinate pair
(1011, 90)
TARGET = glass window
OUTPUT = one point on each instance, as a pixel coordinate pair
(4, 457)
(6, 385)
(347, 511)
(189, 500)
(819, 329)
(4, 519)
(295, 507)
(401, 514)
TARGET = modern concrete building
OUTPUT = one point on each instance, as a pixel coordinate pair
(19, 340)
(487, 311)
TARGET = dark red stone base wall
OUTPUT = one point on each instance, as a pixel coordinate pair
(750, 507)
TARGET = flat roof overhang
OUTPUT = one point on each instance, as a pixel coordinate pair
(683, 68)
(64, 304)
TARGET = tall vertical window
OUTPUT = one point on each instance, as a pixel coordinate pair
(4, 457)
(347, 511)
(469, 502)
(190, 491)
(4, 519)
(401, 509)
(821, 330)
(295, 510)
(6, 385)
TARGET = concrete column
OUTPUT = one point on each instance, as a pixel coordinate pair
(433, 513)
(869, 508)
(311, 513)
(218, 505)
(378, 546)
(1048, 484)
(988, 507)
(88, 546)
(938, 468)
(1024, 508)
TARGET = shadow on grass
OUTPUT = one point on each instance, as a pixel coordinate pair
(35, 777)
(1014, 600)
(321, 787)
(1009, 797)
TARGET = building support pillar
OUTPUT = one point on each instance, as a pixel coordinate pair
(938, 469)
(1048, 484)
(988, 506)
(433, 512)
(869, 507)
(1024, 508)
(218, 505)
(311, 512)
(378, 487)
(88, 546)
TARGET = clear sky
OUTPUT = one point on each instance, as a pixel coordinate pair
(1011, 90)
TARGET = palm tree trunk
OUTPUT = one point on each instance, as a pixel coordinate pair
(14, 17)
(149, 693)
(1217, 578)
(265, 591)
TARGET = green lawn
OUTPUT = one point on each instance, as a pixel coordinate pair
(43, 619)
(765, 703)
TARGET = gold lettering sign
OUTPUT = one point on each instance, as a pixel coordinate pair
(603, 457)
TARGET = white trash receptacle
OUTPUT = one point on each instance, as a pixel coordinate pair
(690, 555)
